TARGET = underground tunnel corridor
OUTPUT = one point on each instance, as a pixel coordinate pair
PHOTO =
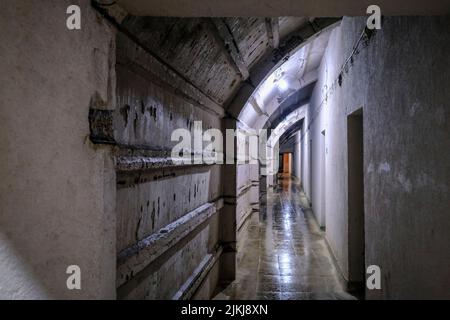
(236, 151)
(282, 254)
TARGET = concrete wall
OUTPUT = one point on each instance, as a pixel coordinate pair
(61, 196)
(162, 206)
(296, 156)
(305, 157)
(317, 165)
(406, 151)
(57, 196)
(247, 183)
(138, 226)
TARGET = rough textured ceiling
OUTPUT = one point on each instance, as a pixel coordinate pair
(190, 47)
(314, 8)
(227, 59)
(217, 54)
(250, 36)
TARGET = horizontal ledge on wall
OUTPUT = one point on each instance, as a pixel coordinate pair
(246, 162)
(244, 218)
(193, 283)
(245, 188)
(140, 163)
(135, 258)
(130, 158)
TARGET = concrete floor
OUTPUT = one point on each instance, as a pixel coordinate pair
(282, 253)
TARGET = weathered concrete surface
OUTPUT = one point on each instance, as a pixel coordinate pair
(251, 37)
(57, 195)
(164, 278)
(152, 203)
(406, 151)
(261, 8)
(170, 73)
(247, 177)
(195, 287)
(135, 258)
(164, 213)
(191, 48)
(60, 193)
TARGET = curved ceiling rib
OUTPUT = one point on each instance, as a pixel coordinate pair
(298, 98)
(293, 121)
(290, 120)
(289, 134)
(289, 83)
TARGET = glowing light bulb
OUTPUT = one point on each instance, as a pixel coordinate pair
(283, 85)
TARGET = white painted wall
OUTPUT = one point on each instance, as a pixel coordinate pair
(406, 151)
(296, 157)
(317, 166)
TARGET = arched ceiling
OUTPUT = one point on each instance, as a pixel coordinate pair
(217, 54)
(289, 80)
(288, 123)
(289, 134)
(224, 59)
(298, 98)
(328, 8)
(282, 132)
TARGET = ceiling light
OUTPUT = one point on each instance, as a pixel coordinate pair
(283, 85)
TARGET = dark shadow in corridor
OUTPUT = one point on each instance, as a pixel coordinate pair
(282, 254)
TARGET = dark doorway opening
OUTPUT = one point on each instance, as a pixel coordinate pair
(356, 243)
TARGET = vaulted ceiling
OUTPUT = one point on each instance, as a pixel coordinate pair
(288, 83)
(317, 8)
(223, 58)
(257, 67)
(217, 55)
(237, 63)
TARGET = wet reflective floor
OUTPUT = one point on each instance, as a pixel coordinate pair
(282, 253)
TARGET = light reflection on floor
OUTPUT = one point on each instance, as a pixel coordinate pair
(282, 253)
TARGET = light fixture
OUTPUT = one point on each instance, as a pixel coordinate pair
(282, 84)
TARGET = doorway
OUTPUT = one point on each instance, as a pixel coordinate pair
(287, 163)
(355, 165)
